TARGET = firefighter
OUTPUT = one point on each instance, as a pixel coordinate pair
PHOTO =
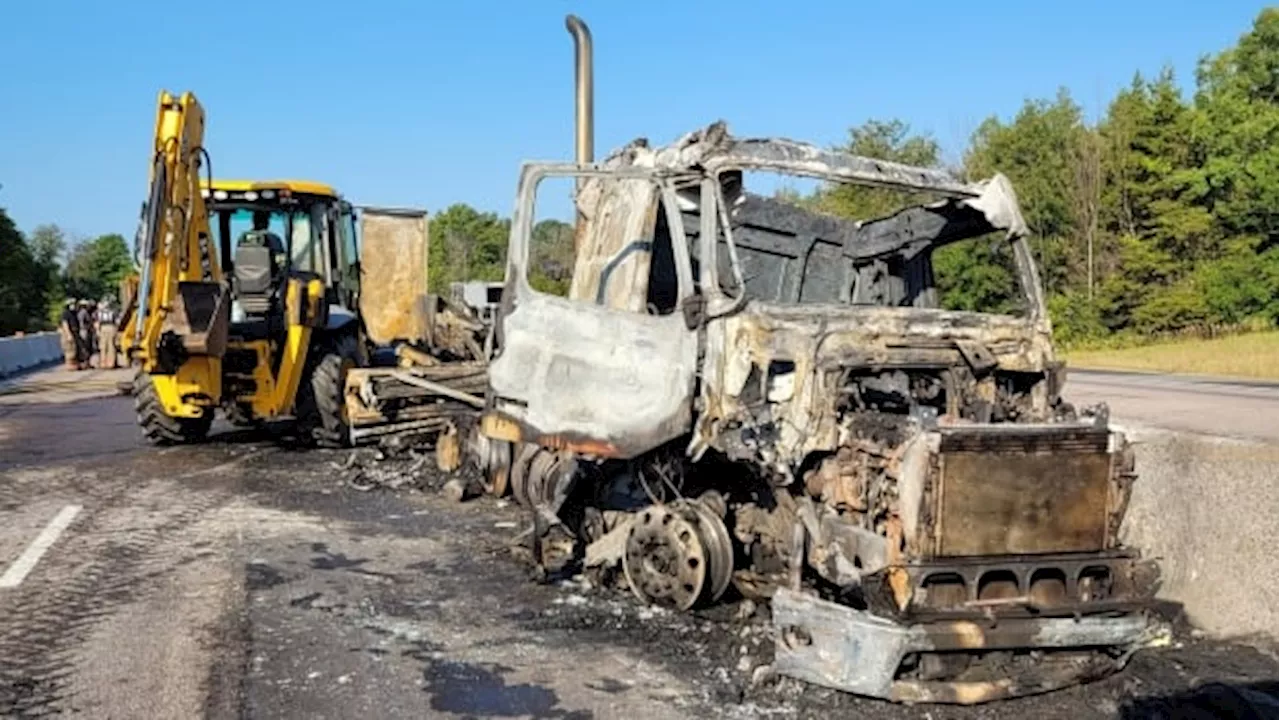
(69, 330)
(106, 335)
(84, 324)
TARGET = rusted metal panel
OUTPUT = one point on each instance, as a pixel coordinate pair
(1046, 585)
(1022, 492)
(393, 273)
(789, 254)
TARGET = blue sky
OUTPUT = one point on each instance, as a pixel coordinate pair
(431, 103)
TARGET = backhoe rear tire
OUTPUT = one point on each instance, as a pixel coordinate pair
(321, 402)
(160, 428)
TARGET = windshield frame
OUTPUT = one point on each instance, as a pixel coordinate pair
(1028, 277)
(708, 177)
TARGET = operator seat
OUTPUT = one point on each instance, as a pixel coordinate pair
(258, 271)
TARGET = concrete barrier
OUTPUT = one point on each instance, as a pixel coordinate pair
(29, 351)
(1206, 507)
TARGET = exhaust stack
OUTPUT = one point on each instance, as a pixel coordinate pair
(583, 91)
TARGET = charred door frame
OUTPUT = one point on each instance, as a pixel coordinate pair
(531, 174)
(653, 357)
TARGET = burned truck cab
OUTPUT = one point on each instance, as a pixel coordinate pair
(741, 390)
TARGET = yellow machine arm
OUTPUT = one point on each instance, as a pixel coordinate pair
(128, 293)
(177, 331)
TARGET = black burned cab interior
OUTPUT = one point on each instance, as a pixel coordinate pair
(792, 255)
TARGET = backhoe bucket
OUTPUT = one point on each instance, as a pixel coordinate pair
(201, 316)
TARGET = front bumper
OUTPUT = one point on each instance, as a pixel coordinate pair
(855, 651)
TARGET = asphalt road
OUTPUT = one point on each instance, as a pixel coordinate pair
(241, 579)
(1231, 408)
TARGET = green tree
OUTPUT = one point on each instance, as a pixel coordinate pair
(1237, 103)
(1148, 213)
(19, 294)
(551, 257)
(1042, 151)
(47, 246)
(1161, 218)
(1173, 187)
(1240, 287)
(1120, 165)
(882, 140)
(95, 268)
(976, 276)
(466, 244)
(1239, 106)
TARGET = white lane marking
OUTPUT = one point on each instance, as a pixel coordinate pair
(17, 572)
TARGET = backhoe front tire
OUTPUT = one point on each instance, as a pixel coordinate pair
(160, 428)
(321, 402)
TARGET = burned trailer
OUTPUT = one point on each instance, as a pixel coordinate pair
(426, 379)
(739, 391)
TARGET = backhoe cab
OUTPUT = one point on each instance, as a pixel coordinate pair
(280, 238)
(246, 299)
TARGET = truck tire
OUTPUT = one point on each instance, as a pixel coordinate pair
(321, 404)
(160, 428)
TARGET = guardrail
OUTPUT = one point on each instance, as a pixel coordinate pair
(24, 352)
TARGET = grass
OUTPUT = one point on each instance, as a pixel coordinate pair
(1251, 355)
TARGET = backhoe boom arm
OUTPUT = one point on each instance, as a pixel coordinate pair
(177, 333)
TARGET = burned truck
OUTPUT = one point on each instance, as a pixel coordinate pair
(740, 394)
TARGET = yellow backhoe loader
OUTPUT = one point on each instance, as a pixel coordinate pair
(246, 298)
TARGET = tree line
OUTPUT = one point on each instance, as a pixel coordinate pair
(467, 244)
(1161, 217)
(40, 272)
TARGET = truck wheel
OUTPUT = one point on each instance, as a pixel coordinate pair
(322, 407)
(159, 427)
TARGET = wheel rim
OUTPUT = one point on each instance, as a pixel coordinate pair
(716, 542)
(665, 561)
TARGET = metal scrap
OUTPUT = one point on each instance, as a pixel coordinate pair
(367, 470)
